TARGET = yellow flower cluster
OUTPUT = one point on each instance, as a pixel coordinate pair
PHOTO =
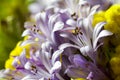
(78, 79)
(17, 51)
(111, 16)
(112, 19)
(115, 63)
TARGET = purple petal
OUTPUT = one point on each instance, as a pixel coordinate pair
(45, 61)
(56, 67)
(26, 32)
(58, 26)
(26, 42)
(85, 50)
(52, 21)
(56, 54)
(97, 29)
(43, 73)
(76, 72)
(103, 33)
(41, 23)
(70, 22)
(71, 37)
(23, 58)
(28, 25)
(66, 45)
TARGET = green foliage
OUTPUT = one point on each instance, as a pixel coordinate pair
(13, 14)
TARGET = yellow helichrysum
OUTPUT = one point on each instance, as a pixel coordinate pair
(8, 64)
(18, 49)
(115, 63)
(112, 19)
(99, 17)
(117, 50)
(78, 79)
(111, 16)
(117, 78)
(16, 52)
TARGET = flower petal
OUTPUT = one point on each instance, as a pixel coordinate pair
(55, 55)
(85, 50)
(58, 26)
(70, 22)
(71, 37)
(57, 66)
(97, 29)
(23, 58)
(66, 45)
(26, 42)
(45, 60)
(31, 77)
(103, 33)
(52, 20)
(26, 33)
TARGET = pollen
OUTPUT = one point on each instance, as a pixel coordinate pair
(36, 39)
(77, 31)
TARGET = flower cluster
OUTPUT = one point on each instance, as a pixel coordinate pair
(70, 40)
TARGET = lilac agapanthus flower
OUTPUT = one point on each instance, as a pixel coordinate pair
(67, 44)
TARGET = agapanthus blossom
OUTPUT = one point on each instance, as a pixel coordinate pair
(65, 42)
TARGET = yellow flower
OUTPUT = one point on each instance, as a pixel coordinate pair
(117, 49)
(115, 65)
(111, 16)
(18, 49)
(16, 52)
(117, 78)
(98, 17)
(79, 79)
(8, 64)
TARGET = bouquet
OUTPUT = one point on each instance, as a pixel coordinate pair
(68, 40)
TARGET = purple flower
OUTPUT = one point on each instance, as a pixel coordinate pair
(85, 38)
(80, 67)
(63, 43)
(40, 65)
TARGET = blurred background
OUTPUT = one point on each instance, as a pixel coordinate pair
(13, 14)
(116, 1)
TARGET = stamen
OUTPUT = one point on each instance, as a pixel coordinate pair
(78, 31)
(61, 58)
(34, 25)
(74, 16)
(35, 29)
(51, 50)
(34, 69)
